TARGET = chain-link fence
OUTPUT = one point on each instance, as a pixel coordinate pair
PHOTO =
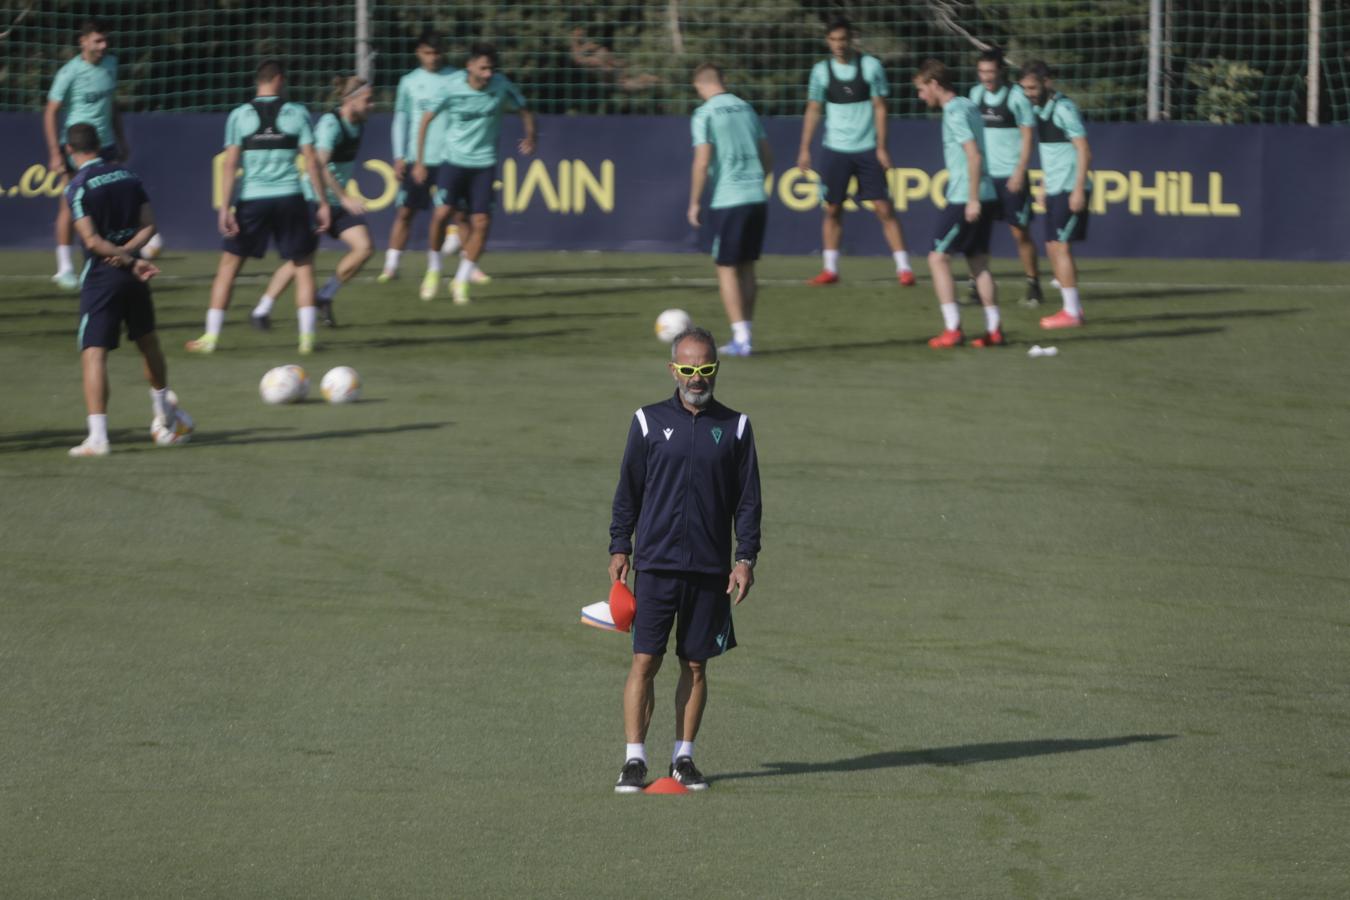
(1216, 60)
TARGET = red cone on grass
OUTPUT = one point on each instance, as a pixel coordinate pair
(665, 786)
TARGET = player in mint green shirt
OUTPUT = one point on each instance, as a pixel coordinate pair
(972, 204)
(264, 136)
(849, 90)
(337, 141)
(475, 100)
(1067, 185)
(731, 152)
(1009, 134)
(85, 88)
(420, 90)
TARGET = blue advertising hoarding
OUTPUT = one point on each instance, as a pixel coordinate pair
(621, 183)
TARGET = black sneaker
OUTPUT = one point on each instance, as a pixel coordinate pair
(326, 313)
(686, 773)
(1033, 296)
(262, 323)
(632, 778)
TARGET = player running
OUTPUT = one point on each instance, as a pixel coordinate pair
(967, 220)
(1065, 158)
(85, 88)
(850, 87)
(730, 147)
(1009, 132)
(264, 135)
(337, 141)
(111, 212)
(477, 97)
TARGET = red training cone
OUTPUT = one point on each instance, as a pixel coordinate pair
(665, 786)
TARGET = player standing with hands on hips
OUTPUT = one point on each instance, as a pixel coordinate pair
(689, 473)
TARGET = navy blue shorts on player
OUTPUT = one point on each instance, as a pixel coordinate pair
(412, 195)
(1014, 207)
(738, 233)
(837, 168)
(108, 298)
(339, 220)
(469, 190)
(955, 235)
(694, 603)
(1061, 224)
(283, 220)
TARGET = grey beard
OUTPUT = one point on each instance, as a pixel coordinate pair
(696, 399)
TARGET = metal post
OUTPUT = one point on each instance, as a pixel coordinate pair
(1154, 60)
(1314, 60)
(363, 39)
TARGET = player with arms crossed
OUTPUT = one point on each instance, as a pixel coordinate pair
(1009, 133)
(263, 135)
(730, 147)
(850, 88)
(112, 215)
(86, 89)
(477, 97)
(1065, 158)
(337, 141)
(690, 472)
(968, 218)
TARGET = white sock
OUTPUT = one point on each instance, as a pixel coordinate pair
(951, 315)
(452, 241)
(215, 320)
(159, 402)
(991, 319)
(63, 259)
(1072, 304)
(391, 260)
(901, 261)
(264, 306)
(831, 258)
(636, 751)
(682, 748)
(433, 260)
(307, 315)
(465, 270)
(740, 332)
(98, 429)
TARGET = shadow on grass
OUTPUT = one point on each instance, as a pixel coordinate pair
(63, 438)
(134, 440)
(1217, 315)
(1015, 340)
(961, 755)
(500, 320)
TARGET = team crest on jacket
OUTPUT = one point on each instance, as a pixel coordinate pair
(668, 432)
(717, 434)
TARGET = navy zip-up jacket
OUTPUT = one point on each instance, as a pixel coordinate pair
(685, 478)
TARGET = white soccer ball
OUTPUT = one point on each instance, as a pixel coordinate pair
(180, 432)
(341, 385)
(670, 323)
(284, 384)
(152, 247)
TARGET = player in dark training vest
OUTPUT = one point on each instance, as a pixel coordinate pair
(849, 90)
(111, 214)
(337, 141)
(263, 136)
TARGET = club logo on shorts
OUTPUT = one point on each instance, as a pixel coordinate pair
(717, 435)
(668, 432)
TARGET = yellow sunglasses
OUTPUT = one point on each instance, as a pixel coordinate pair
(705, 371)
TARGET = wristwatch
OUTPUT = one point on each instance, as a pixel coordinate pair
(746, 562)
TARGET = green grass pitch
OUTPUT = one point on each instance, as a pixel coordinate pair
(1065, 627)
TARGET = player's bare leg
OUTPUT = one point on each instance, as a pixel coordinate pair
(895, 239)
(94, 371)
(65, 276)
(475, 241)
(639, 696)
(398, 240)
(1066, 273)
(440, 218)
(357, 239)
(831, 234)
(305, 313)
(152, 358)
(222, 286)
(739, 288)
(987, 290)
(944, 286)
(261, 316)
(691, 697)
(1026, 254)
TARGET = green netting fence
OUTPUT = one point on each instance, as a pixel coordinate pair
(1217, 60)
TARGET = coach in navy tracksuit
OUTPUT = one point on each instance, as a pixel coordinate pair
(689, 472)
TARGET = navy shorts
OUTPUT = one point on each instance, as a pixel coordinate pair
(339, 220)
(955, 235)
(412, 195)
(1014, 207)
(469, 190)
(698, 607)
(738, 233)
(1060, 223)
(285, 220)
(109, 297)
(107, 154)
(837, 168)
